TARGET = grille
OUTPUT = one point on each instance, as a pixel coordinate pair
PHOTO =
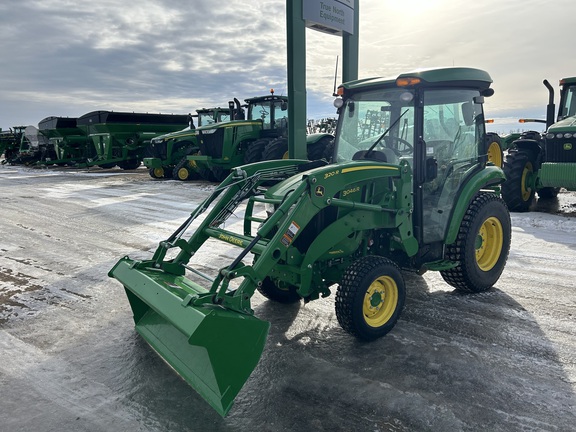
(211, 144)
(561, 150)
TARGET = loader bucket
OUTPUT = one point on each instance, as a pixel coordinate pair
(214, 349)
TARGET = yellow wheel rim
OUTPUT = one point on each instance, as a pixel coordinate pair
(526, 173)
(380, 301)
(489, 243)
(495, 154)
(159, 172)
(182, 174)
(285, 155)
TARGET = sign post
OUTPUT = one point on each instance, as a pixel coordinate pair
(335, 17)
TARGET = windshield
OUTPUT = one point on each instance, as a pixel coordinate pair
(568, 108)
(386, 116)
(206, 118)
(261, 111)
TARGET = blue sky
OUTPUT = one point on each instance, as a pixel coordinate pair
(66, 58)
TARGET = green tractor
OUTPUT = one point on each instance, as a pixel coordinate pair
(414, 192)
(168, 152)
(69, 143)
(121, 138)
(544, 162)
(261, 136)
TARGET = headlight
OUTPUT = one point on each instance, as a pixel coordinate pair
(559, 135)
(567, 135)
(550, 136)
(338, 102)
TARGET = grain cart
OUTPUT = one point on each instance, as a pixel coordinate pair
(259, 137)
(543, 163)
(169, 151)
(10, 143)
(69, 142)
(415, 194)
(120, 138)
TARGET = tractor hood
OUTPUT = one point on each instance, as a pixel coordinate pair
(208, 128)
(329, 180)
(188, 131)
(566, 125)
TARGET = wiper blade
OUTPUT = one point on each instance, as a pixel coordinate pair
(381, 137)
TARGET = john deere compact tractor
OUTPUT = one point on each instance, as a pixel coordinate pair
(412, 191)
(544, 163)
(261, 136)
(169, 151)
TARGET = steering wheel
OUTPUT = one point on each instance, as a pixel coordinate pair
(409, 148)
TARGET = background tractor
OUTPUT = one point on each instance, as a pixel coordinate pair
(411, 192)
(544, 162)
(168, 152)
(260, 136)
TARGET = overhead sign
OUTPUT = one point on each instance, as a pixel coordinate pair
(329, 16)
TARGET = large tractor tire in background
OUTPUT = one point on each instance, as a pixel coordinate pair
(516, 191)
(276, 149)
(370, 297)
(494, 149)
(319, 149)
(482, 245)
(254, 150)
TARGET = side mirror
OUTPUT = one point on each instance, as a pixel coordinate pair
(431, 169)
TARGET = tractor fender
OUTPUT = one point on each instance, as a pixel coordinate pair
(487, 178)
(315, 137)
(531, 145)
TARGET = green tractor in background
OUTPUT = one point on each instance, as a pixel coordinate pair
(168, 152)
(412, 192)
(544, 162)
(259, 136)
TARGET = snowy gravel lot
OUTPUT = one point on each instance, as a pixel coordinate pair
(70, 360)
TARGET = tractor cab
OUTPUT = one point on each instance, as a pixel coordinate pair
(427, 121)
(272, 111)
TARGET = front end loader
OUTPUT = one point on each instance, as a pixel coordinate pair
(413, 191)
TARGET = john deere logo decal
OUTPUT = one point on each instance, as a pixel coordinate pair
(568, 146)
(319, 192)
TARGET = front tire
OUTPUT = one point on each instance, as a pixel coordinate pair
(482, 245)
(370, 297)
(279, 294)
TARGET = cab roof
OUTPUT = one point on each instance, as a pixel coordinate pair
(436, 77)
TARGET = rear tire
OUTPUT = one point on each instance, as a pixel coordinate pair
(276, 149)
(281, 295)
(254, 151)
(370, 298)
(494, 150)
(317, 150)
(482, 245)
(518, 168)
